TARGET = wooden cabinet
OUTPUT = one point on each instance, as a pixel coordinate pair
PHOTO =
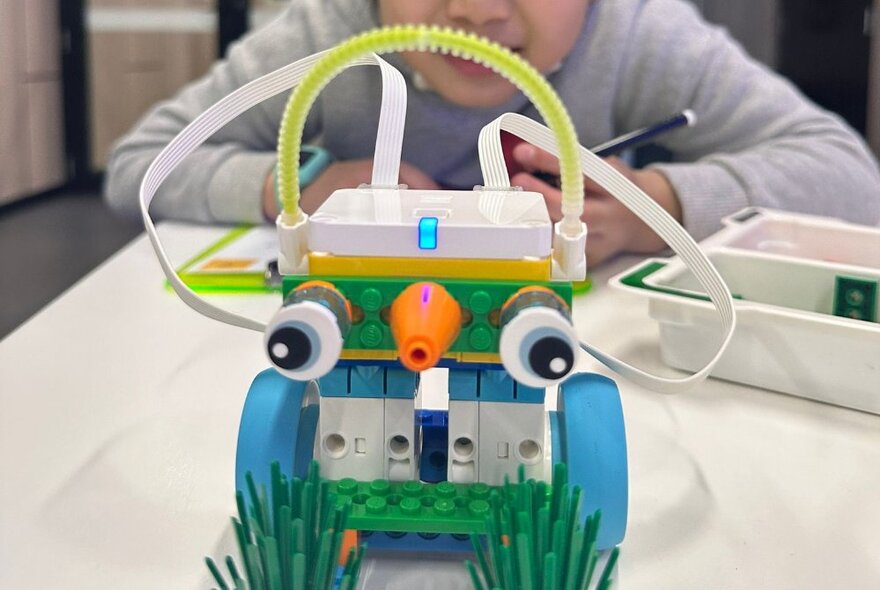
(140, 52)
(31, 123)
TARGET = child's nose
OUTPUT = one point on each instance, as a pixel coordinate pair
(479, 12)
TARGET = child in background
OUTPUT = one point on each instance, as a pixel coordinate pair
(618, 65)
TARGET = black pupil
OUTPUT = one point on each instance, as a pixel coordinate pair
(299, 348)
(545, 351)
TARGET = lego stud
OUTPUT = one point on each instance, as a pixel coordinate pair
(425, 321)
(538, 344)
(305, 337)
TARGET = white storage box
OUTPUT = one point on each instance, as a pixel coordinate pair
(807, 291)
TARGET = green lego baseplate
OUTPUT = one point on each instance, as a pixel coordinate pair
(371, 300)
(414, 506)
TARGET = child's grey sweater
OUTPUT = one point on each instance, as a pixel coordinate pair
(758, 140)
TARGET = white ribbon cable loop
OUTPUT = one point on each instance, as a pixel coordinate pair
(645, 208)
(385, 168)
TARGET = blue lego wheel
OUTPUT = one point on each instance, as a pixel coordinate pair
(592, 443)
(278, 423)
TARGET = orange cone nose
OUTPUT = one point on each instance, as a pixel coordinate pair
(425, 321)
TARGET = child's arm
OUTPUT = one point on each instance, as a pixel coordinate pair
(223, 180)
(758, 140)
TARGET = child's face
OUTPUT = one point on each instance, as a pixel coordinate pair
(541, 31)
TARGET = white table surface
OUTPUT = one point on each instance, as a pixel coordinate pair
(119, 411)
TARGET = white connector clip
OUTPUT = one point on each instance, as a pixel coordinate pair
(569, 254)
(293, 246)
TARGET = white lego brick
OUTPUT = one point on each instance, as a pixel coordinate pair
(351, 440)
(495, 224)
(401, 440)
(569, 254)
(512, 434)
(293, 245)
(433, 389)
(464, 441)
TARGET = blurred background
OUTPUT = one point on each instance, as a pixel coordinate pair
(76, 74)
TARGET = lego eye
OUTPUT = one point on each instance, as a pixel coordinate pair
(304, 339)
(538, 343)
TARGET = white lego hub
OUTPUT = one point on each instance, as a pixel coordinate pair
(485, 224)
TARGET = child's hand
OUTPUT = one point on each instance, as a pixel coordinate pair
(345, 174)
(612, 228)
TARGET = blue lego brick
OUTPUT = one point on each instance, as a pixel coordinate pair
(416, 542)
(499, 386)
(496, 386)
(464, 385)
(334, 383)
(400, 383)
(435, 443)
(527, 395)
(366, 381)
(490, 386)
(453, 364)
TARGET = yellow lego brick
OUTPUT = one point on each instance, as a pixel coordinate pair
(359, 354)
(479, 357)
(438, 268)
(354, 354)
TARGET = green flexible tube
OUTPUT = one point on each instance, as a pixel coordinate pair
(433, 39)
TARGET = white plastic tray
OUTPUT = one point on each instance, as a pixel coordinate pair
(800, 281)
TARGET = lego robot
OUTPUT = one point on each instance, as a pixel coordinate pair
(400, 281)
(383, 283)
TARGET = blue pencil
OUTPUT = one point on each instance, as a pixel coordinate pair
(632, 139)
(641, 136)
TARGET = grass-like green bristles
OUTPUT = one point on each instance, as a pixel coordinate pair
(290, 539)
(292, 544)
(535, 540)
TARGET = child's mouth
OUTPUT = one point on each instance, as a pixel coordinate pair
(470, 68)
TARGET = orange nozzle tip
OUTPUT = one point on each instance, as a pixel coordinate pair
(418, 355)
(425, 321)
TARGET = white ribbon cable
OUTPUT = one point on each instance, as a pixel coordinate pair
(392, 118)
(645, 208)
(385, 168)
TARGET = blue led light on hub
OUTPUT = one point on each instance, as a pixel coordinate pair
(428, 233)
